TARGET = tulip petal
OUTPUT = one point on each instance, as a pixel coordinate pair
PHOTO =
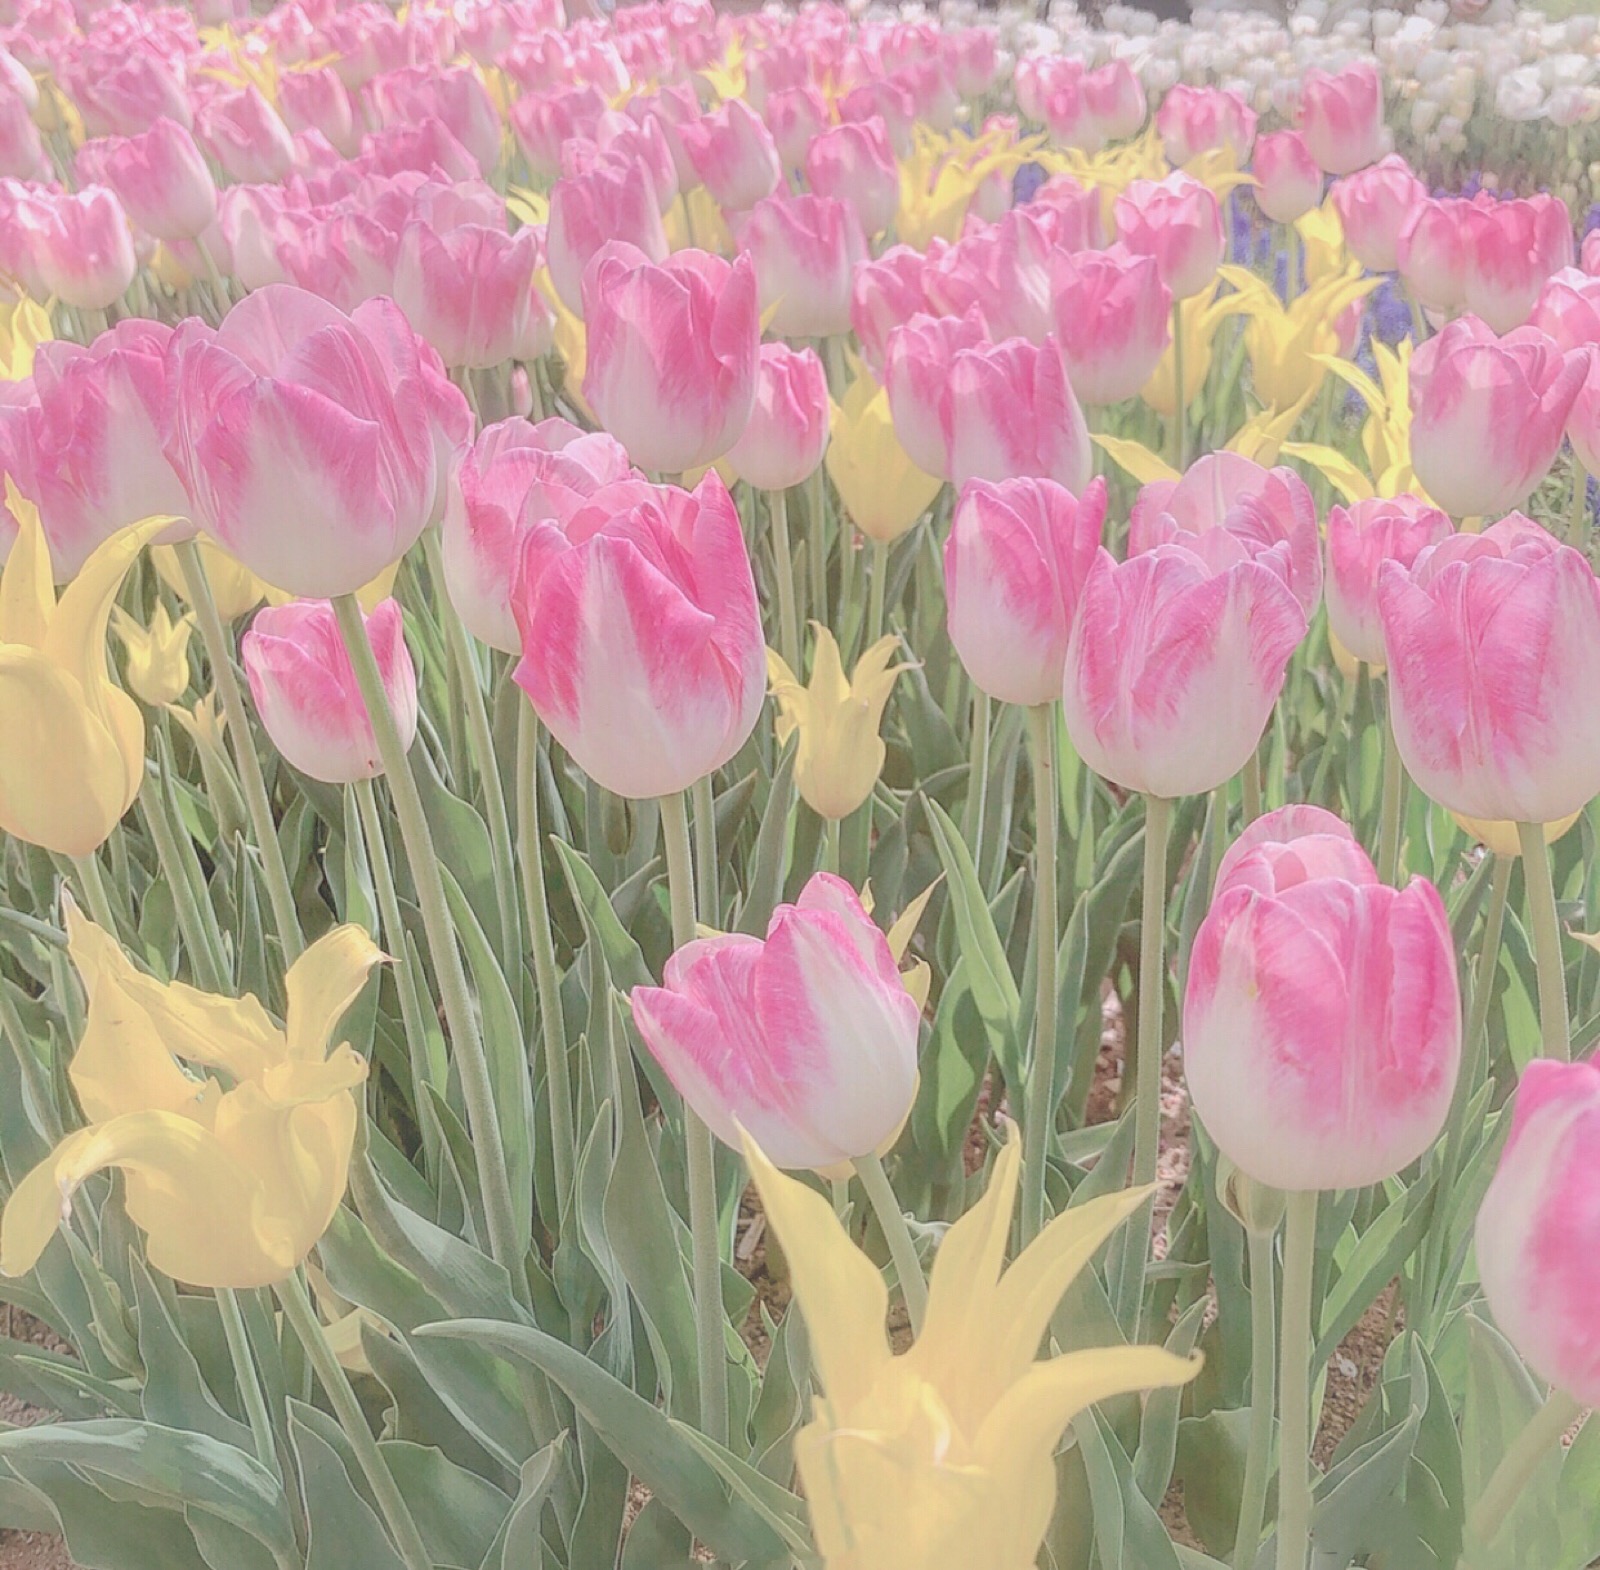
(322, 984)
(27, 592)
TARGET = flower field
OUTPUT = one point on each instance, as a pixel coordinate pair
(808, 789)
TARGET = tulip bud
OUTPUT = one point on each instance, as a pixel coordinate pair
(1112, 316)
(787, 433)
(245, 134)
(1178, 222)
(162, 181)
(855, 164)
(886, 293)
(610, 201)
(1289, 179)
(1374, 207)
(805, 250)
(1361, 538)
(733, 155)
(1341, 118)
(1194, 120)
(156, 663)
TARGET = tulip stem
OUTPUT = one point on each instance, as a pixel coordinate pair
(702, 1176)
(546, 978)
(817, 545)
(94, 890)
(1393, 801)
(705, 851)
(1528, 1450)
(880, 584)
(477, 1087)
(783, 572)
(1578, 524)
(1180, 423)
(396, 1513)
(1546, 942)
(830, 845)
(1250, 789)
(902, 1250)
(284, 915)
(972, 814)
(1263, 1380)
(1040, 1103)
(249, 1379)
(1294, 1428)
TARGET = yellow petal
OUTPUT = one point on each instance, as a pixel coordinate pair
(27, 593)
(1135, 457)
(827, 684)
(1503, 840)
(323, 983)
(1346, 477)
(77, 633)
(905, 924)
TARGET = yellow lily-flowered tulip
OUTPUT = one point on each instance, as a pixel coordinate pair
(695, 220)
(233, 1185)
(841, 753)
(940, 178)
(1198, 321)
(204, 725)
(156, 666)
(24, 325)
(883, 491)
(234, 587)
(943, 1457)
(1322, 235)
(73, 757)
(1502, 838)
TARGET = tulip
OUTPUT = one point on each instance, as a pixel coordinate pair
(1431, 254)
(1289, 181)
(919, 365)
(1341, 117)
(84, 249)
(787, 433)
(1513, 248)
(1590, 258)
(156, 663)
(22, 155)
(122, 93)
(641, 635)
(885, 100)
(1487, 414)
(943, 1457)
(1178, 222)
(855, 164)
(611, 201)
(234, 1186)
(1012, 413)
(1173, 667)
(245, 134)
(886, 292)
(1322, 1018)
(1374, 207)
(1194, 120)
(455, 97)
(162, 181)
(1014, 567)
(1112, 316)
(1076, 213)
(796, 117)
(1489, 639)
(305, 437)
(805, 250)
(1568, 309)
(317, 100)
(733, 155)
(1002, 272)
(546, 122)
(1583, 426)
(1114, 100)
(74, 755)
(672, 353)
(1538, 1231)
(840, 753)
(883, 491)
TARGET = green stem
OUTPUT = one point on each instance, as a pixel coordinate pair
(913, 1285)
(1263, 1379)
(817, 546)
(1040, 1103)
(1294, 1429)
(94, 890)
(396, 1513)
(830, 845)
(1394, 795)
(284, 915)
(248, 1377)
(1578, 523)
(880, 584)
(546, 977)
(476, 1086)
(707, 1260)
(1528, 1450)
(1250, 788)
(206, 964)
(977, 779)
(705, 851)
(1180, 422)
(783, 572)
(1292, 256)
(1546, 942)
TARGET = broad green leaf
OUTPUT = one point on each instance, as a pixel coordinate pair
(343, 1529)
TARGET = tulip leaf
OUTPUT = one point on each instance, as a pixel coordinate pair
(457, 1513)
(1127, 1529)
(1576, 1491)
(519, 1544)
(764, 881)
(657, 1540)
(342, 1528)
(1210, 1463)
(600, 922)
(459, 837)
(1158, 1431)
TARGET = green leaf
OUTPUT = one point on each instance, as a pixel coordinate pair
(519, 1545)
(623, 959)
(1210, 1464)
(460, 840)
(1158, 1432)
(343, 1529)
(1127, 1529)
(457, 1513)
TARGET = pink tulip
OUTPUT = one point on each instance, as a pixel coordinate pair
(672, 352)
(1487, 414)
(1194, 120)
(806, 1040)
(545, 122)
(1014, 566)
(306, 438)
(1065, 111)
(80, 247)
(1321, 1020)
(613, 200)
(1583, 424)
(1291, 845)
(162, 181)
(346, 257)
(733, 155)
(1013, 415)
(123, 92)
(885, 100)
(886, 293)
(1568, 309)
(787, 433)
(805, 250)
(796, 116)
(1374, 206)
(1431, 254)
(454, 96)
(318, 101)
(470, 292)
(1290, 179)
(973, 57)
(1361, 538)
(1173, 667)
(1341, 118)
(1590, 260)
(855, 163)
(919, 362)
(621, 140)
(642, 647)
(245, 134)
(1178, 222)
(1074, 212)
(1513, 247)
(426, 147)
(1113, 99)
(1002, 271)
(672, 107)
(515, 477)
(1538, 1228)
(1227, 509)
(1490, 639)
(1112, 315)
(306, 693)
(22, 155)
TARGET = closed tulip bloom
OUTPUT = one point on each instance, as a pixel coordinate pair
(919, 363)
(1361, 538)
(1431, 254)
(1003, 272)
(1490, 639)
(733, 155)
(1178, 222)
(1173, 668)
(1322, 1018)
(1583, 424)
(454, 96)
(544, 122)
(1289, 178)
(613, 200)
(22, 155)
(1538, 1228)
(515, 477)
(1487, 414)
(1112, 316)
(1589, 258)
(305, 437)
(246, 135)
(233, 1186)
(121, 92)
(317, 100)
(885, 293)
(672, 353)
(1513, 248)
(1114, 100)
(1374, 206)
(883, 491)
(155, 658)
(641, 636)
(163, 181)
(84, 251)
(1568, 309)
(1013, 414)
(1341, 118)
(1290, 845)
(1014, 566)
(805, 250)
(806, 1039)
(305, 687)
(796, 116)
(855, 163)
(787, 433)
(1194, 120)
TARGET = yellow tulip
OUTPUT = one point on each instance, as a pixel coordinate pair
(943, 1457)
(370, 595)
(1198, 320)
(1322, 235)
(234, 587)
(695, 220)
(23, 327)
(883, 491)
(841, 753)
(72, 758)
(940, 178)
(233, 1184)
(156, 666)
(1502, 838)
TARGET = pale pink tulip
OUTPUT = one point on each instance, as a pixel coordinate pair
(1374, 206)
(1590, 260)
(247, 136)
(83, 248)
(1513, 247)
(1568, 309)
(787, 433)
(1075, 213)
(1431, 254)
(855, 163)
(121, 92)
(162, 181)
(454, 96)
(1013, 415)
(1002, 271)
(1583, 424)
(1290, 180)
(973, 57)
(22, 155)
(1194, 120)
(1113, 99)
(886, 293)
(545, 122)
(346, 257)
(1112, 315)
(733, 155)
(805, 250)
(1290, 845)
(1178, 222)
(614, 200)
(796, 116)
(1361, 538)
(1341, 118)
(806, 1040)
(317, 100)
(919, 360)
(887, 100)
